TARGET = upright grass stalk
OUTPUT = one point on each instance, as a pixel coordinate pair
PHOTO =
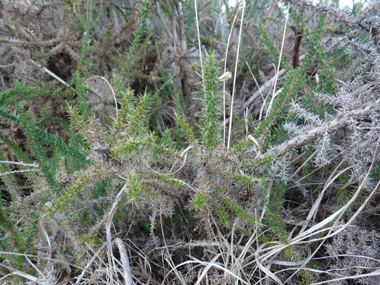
(279, 63)
(234, 84)
(224, 83)
(199, 38)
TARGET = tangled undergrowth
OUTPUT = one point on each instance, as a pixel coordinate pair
(181, 142)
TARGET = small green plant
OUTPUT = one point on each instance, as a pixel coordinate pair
(210, 126)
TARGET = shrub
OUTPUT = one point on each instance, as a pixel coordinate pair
(116, 166)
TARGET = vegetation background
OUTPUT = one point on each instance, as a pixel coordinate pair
(125, 159)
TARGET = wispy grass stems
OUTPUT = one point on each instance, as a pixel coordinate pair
(224, 83)
(279, 64)
(199, 38)
(236, 68)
